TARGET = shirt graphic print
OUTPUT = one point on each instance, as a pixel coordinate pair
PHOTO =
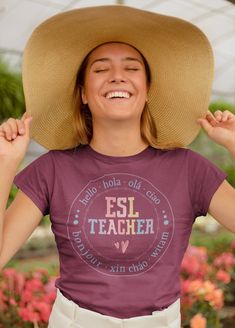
(120, 224)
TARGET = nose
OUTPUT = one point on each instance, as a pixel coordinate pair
(117, 75)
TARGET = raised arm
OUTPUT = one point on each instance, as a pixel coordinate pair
(221, 129)
(19, 220)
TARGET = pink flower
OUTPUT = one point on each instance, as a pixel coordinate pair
(34, 284)
(50, 286)
(43, 309)
(49, 297)
(223, 276)
(26, 296)
(9, 272)
(203, 291)
(191, 265)
(194, 263)
(19, 282)
(14, 281)
(12, 301)
(199, 252)
(28, 314)
(215, 299)
(40, 273)
(195, 286)
(226, 260)
(9, 275)
(198, 321)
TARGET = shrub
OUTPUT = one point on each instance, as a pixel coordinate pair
(11, 93)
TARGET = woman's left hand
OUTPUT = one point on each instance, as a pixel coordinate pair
(220, 127)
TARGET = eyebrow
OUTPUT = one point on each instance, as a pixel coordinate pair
(106, 59)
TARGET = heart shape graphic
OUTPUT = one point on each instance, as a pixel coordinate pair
(117, 244)
(124, 245)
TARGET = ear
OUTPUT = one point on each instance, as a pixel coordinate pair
(83, 95)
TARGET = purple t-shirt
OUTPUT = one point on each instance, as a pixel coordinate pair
(121, 224)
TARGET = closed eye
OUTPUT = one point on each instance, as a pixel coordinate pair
(98, 70)
(132, 69)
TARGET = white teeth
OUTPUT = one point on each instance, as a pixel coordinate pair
(118, 94)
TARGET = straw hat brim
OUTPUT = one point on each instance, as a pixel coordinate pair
(178, 53)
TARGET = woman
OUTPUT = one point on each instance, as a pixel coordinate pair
(121, 189)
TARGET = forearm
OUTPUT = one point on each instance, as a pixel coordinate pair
(8, 170)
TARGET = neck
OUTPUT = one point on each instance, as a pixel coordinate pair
(119, 141)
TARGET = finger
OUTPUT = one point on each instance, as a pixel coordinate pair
(211, 119)
(205, 125)
(24, 124)
(21, 127)
(218, 115)
(6, 128)
(13, 127)
(227, 115)
(231, 117)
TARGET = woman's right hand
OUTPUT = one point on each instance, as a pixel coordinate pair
(14, 138)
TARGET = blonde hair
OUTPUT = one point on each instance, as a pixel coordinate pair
(82, 117)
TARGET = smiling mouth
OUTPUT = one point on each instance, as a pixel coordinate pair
(118, 95)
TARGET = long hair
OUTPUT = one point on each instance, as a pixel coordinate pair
(82, 117)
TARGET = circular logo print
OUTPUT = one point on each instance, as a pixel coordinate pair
(120, 224)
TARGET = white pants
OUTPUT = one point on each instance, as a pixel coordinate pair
(67, 314)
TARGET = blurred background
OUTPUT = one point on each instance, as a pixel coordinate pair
(211, 256)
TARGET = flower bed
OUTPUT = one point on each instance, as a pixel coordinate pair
(26, 299)
(208, 283)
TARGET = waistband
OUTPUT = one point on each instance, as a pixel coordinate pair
(169, 317)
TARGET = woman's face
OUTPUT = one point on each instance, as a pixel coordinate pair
(115, 85)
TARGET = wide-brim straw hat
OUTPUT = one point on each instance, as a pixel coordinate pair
(178, 53)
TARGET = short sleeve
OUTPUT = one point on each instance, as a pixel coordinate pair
(204, 178)
(36, 181)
